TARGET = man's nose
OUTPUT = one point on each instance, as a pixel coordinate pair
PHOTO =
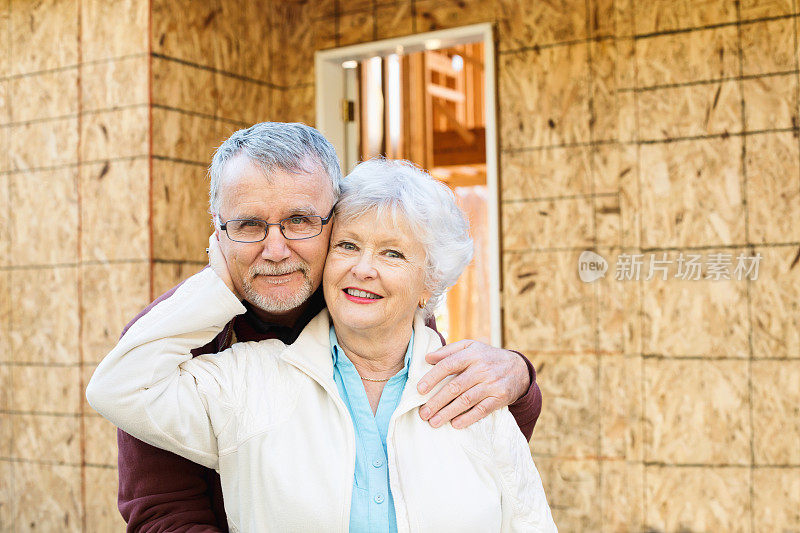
(276, 248)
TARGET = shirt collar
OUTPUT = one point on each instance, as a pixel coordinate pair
(336, 350)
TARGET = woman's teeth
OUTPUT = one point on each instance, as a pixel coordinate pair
(362, 294)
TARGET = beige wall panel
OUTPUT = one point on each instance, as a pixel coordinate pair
(441, 14)
(691, 194)
(660, 15)
(694, 317)
(607, 220)
(5, 331)
(114, 210)
(752, 9)
(354, 28)
(629, 196)
(52, 94)
(86, 370)
(768, 47)
(394, 20)
(571, 487)
(44, 315)
(113, 134)
(622, 496)
(546, 307)
(297, 105)
(770, 102)
(44, 144)
(5, 221)
(44, 35)
(569, 382)
(34, 241)
(776, 412)
(167, 275)
(110, 84)
(101, 500)
(181, 223)
(294, 42)
(46, 438)
(774, 307)
(523, 24)
(184, 87)
(690, 111)
(47, 389)
(5, 383)
(618, 305)
(610, 164)
(188, 137)
(6, 495)
(547, 224)
(776, 492)
(100, 438)
(620, 407)
(112, 296)
(684, 57)
(244, 101)
(608, 118)
(113, 28)
(199, 32)
(5, 59)
(772, 188)
(716, 429)
(544, 97)
(625, 68)
(603, 17)
(6, 434)
(256, 53)
(697, 498)
(546, 173)
(47, 497)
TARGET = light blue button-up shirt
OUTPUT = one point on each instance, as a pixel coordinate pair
(372, 506)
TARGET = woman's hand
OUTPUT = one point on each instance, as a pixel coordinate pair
(216, 260)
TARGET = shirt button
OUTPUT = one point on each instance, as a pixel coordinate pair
(379, 498)
(377, 463)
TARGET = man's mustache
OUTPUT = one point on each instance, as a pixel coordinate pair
(278, 269)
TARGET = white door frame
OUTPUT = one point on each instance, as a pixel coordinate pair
(330, 92)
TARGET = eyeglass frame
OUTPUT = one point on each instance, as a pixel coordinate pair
(224, 226)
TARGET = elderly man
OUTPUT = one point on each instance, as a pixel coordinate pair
(266, 175)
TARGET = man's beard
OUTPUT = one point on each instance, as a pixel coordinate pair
(271, 305)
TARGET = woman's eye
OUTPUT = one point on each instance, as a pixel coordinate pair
(347, 245)
(394, 254)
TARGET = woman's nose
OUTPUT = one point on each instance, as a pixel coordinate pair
(364, 267)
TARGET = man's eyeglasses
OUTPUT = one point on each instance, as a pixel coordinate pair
(293, 228)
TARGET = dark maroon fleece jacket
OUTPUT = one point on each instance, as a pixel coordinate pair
(160, 491)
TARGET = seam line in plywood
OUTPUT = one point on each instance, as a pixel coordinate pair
(201, 115)
(215, 70)
(712, 26)
(179, 262)
(37, 413)
(72, 116)
(740, 77)
(655, 249)
(178, 160)
(44, 462)
(585, 196)
(71, 67)
(557, 44)
(90, 262)
(723, 135)
(40, 364)
(585, 144)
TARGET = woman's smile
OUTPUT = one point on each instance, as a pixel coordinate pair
(361, 296)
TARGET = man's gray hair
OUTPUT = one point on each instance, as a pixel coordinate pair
(407, 195)
(291, 147)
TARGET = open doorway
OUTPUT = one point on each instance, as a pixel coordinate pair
(428, 98)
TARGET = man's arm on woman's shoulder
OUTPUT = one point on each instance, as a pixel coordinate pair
(161, 491)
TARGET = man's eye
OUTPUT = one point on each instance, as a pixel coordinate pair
(250, 223)
(297, 220)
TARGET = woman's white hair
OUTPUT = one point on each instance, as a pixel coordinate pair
(409, 196)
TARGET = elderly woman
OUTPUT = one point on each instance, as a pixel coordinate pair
(398, 242)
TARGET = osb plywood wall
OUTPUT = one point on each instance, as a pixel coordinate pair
(109, 113)
(664, 126)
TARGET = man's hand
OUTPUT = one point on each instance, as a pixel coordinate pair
(486, 379)
(216, 260)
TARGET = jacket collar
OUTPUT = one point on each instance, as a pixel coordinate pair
(311, 352)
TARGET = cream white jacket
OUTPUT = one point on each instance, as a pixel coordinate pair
(269, 418)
